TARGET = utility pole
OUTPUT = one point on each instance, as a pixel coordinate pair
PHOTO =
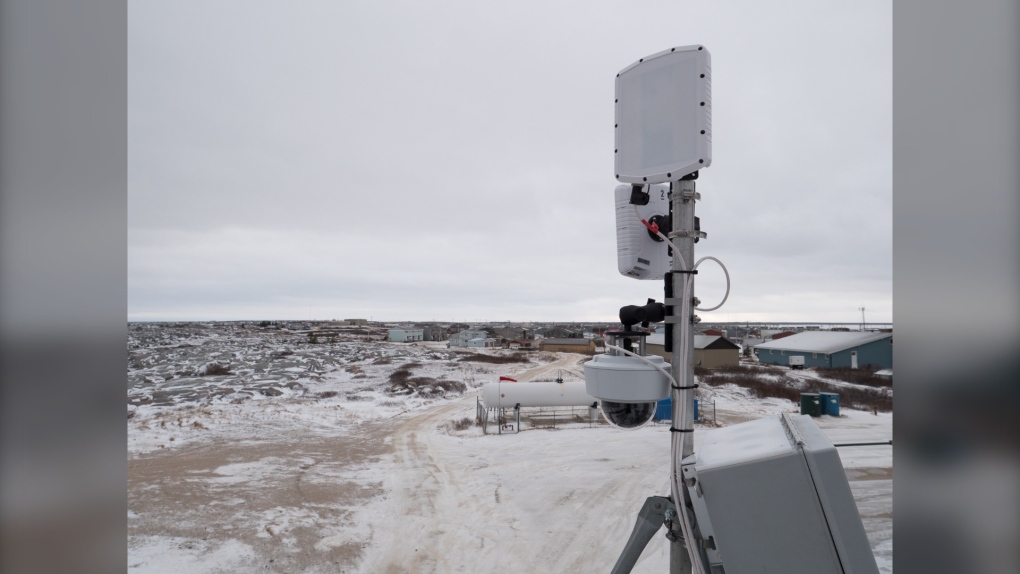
(682, 198)
(864, 324)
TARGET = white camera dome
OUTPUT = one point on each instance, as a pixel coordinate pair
(628, 416)
(627, 388)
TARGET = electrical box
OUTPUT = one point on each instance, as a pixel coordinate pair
(640, 254)
(771, 495)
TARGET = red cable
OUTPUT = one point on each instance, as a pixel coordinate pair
(653, 227)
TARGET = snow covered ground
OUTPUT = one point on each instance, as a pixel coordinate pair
(316, 458)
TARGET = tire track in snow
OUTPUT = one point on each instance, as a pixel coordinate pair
(445, 516)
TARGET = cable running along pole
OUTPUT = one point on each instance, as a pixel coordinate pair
(682, 198)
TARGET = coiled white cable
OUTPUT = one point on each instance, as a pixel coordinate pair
(725, 272)
(683, 264)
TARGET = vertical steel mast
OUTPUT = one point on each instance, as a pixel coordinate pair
(681, 323)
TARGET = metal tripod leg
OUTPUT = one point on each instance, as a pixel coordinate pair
(649, 520)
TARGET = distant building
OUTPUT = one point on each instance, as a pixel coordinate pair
(574, 345)
(355, 321)
(710, 351)
(519, 344)
(770, 334)
(405, 335)
(518, 333)
(559, 333)
(830, 349)
(751, 341)
(484, 343)
(433, 333)
(461, 339)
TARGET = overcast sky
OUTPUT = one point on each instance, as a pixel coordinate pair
(454, 160)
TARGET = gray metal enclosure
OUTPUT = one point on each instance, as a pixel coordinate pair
(771, 496)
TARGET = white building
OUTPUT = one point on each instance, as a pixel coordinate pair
(461, 339)
(483, 343)
(405, 335)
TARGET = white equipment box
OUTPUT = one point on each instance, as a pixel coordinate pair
(638, 255)
(771, 496)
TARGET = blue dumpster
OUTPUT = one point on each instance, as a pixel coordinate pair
(830, 404)
(664, 410)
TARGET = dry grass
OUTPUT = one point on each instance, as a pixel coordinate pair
(400, 375)
(403, 383)
(762, 386)
(462, 424)
(215, 369)
(346, 331)
(740, 369)
(864, 377)
(326, 394)
(517, 357)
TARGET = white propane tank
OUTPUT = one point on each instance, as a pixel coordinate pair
(565, 394)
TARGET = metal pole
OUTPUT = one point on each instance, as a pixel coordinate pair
(682, 197)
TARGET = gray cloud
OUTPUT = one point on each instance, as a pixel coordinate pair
(454, 161)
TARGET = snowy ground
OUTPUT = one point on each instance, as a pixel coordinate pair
(306, 458)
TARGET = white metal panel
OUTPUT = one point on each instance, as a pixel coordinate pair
(741, 443)
(663, 125)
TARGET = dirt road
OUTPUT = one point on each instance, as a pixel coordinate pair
(570, 362)
(264, 505)
(457, 505)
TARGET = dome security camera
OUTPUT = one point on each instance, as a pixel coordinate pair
(627, 387)
(628, 415)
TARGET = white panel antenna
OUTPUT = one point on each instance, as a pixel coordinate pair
(664, 116)
(639, 255)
